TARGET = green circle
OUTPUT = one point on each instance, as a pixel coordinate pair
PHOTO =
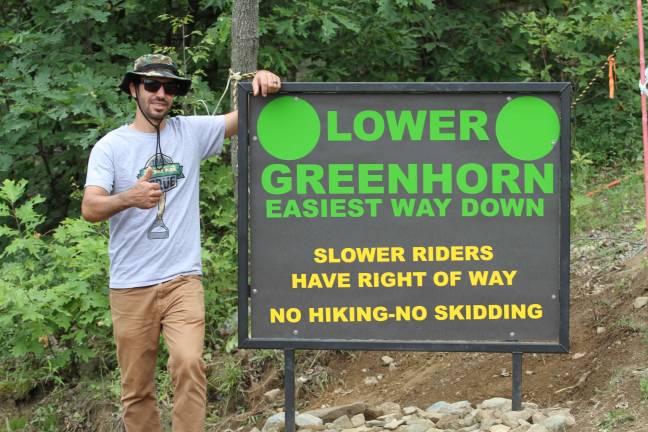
(288, 128)
(527, 128)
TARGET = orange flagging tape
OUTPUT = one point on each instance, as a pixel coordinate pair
(602, 188)
(612, 184)
(611, 74)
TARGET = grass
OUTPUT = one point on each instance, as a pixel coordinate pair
(631, 325)
(15, 424)
(643, 389)
(616, 378)
(618, 208)
(615, 418)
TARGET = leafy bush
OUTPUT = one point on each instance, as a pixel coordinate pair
(53, 305)
(218, 220)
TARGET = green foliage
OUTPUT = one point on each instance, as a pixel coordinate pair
(470, 41)
(615, 418)
(53, 305)
(47, 418)
(631, 325)
(226, 380)
(60, 65)
(15, 424)
(609, 199)
(218, 220)
(643, 388)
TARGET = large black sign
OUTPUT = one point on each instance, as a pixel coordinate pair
(405, 216)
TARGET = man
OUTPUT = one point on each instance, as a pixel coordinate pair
(144, 177)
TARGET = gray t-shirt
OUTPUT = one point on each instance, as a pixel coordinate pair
(151, 246)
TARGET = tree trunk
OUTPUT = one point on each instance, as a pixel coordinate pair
(245, 50)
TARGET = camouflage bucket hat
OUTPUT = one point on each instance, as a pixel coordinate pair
(155, 66)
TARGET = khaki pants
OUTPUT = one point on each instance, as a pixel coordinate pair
(175, 307)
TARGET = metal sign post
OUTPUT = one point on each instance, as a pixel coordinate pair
(517, 381)
(289, 389)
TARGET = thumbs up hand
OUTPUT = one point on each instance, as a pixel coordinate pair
(147, 175)
(144, 194)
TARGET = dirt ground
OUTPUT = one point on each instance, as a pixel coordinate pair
(599, 378)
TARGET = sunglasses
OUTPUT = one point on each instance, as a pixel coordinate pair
(152, 86)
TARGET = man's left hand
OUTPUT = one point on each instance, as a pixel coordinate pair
(265, 82)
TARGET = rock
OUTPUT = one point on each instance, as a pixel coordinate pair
(358, 429)
(358, 420)
(513, 418)
(275, 423)
(561, 411)
(578, 355)
(491, 415)
(331, 413)
(370, 381)
(489, 422)
(389, 417)
(556, 423)
(420, 423)
(435, 416)
(449, 421)
(538, 418)
(372, 412)
(640, 302)
(471, 418)
(409, 410)
(309, 421)
(437, 406)
(483, 414)
(342, 422)
(387, 360)
(415, 427)
(460, 408)
(390, 408)
(272, 395)
(600, 330)
(394, 424)
(497, 403)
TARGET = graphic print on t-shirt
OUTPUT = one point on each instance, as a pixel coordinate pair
(166, 173)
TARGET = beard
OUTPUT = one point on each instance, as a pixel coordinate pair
(155, 108)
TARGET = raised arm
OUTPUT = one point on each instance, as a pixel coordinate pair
(264, 83)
